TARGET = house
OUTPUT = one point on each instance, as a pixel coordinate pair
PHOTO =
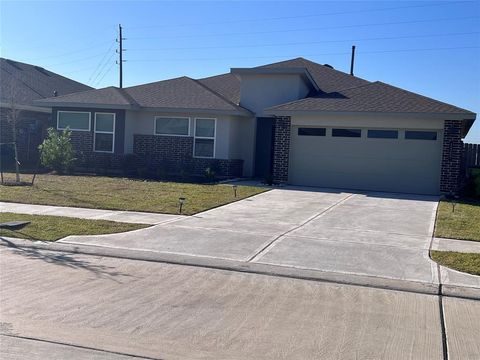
(20, 85)
(303, 122)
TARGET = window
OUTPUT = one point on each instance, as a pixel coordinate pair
(420, 135)
(178, 126)
(104, 138)
(311, 131)
(74, 120)
(347, 133)
(204, 142)
(383, 134)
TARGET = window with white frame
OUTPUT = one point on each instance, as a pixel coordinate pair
(104, 137)
(177, 126)
(73, 120)
(204, 142)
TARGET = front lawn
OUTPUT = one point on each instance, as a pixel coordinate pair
(463, 223)
(465, 262)
(51, 228)
(111, 193)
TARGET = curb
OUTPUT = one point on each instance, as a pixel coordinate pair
(253, 268)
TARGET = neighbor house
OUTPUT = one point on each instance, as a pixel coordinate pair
(302, 122)
(20, 85)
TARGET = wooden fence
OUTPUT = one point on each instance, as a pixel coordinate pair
(471, 155)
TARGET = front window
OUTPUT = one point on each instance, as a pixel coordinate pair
(178, 126)
(204, 142)
(104, 132)
(74, 120)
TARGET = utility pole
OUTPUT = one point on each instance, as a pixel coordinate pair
(120, 53)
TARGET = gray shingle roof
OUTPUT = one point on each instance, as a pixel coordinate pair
(372, 97)
(179, 93)
(227, 85)
(26, 83)
(109, 96)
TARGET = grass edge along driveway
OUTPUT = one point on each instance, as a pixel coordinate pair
(461, 224)
(464, 262)
(114, 193)
(52, 228)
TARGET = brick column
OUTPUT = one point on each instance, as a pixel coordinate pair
(281, 148)
(451, 156)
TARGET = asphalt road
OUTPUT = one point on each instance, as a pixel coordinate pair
(79, 306)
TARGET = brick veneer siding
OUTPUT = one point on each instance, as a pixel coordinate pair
(175, 152)
(31, 129)
(281, 148)
(451, 156)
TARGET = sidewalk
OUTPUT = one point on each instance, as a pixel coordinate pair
(90, 214)
(464, 246)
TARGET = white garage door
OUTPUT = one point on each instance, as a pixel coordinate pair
(394, 160)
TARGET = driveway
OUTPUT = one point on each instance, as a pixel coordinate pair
(375, 234)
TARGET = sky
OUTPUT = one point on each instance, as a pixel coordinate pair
(428, 47)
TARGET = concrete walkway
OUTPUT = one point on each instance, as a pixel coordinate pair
(91, 214)
(464, 246)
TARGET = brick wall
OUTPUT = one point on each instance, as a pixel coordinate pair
(174, 154)
(31, 129)
(451, 156)
(281, 148)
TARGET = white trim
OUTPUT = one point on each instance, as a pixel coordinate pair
(170, 117)
(214, 138)
(75, 112)
(95, 132)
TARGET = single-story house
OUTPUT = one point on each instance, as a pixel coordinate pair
(302, 122)
(20, 85)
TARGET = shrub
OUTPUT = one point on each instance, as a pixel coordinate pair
(56, 151)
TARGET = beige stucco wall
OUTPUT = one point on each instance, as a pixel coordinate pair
(234, 138)
(258, 92)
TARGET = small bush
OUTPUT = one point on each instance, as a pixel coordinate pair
(56, 151)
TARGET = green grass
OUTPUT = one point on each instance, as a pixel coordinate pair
(465, 262)
(51, 228)
(112, 193)
(463, 223)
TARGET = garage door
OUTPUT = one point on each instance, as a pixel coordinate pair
(394, 160)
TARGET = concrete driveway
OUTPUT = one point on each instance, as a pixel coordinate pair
(373, 234)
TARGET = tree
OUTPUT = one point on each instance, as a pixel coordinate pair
(56, 151)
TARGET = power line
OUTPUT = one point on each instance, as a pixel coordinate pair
(291, 17)
(318, 54)
(305, 29)
(71, 52)
(310, 42)
(109, 69)
(100, 63)
(103, 68)
(79, 60)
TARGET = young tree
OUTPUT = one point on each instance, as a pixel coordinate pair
(56, 151)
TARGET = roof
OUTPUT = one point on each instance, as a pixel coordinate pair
(371, 97)
(25, 83)
(336, 91)
(170, 95)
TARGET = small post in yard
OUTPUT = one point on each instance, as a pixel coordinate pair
(234, 190)
(181, 201)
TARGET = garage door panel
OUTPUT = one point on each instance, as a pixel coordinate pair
(396, 165)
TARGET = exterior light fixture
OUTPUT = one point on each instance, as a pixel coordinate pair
(181, 201)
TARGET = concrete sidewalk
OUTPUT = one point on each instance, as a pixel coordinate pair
(90, 214)
(463, 246)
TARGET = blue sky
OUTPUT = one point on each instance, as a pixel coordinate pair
(432, 48)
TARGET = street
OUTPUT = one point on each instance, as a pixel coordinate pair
(109, 308)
